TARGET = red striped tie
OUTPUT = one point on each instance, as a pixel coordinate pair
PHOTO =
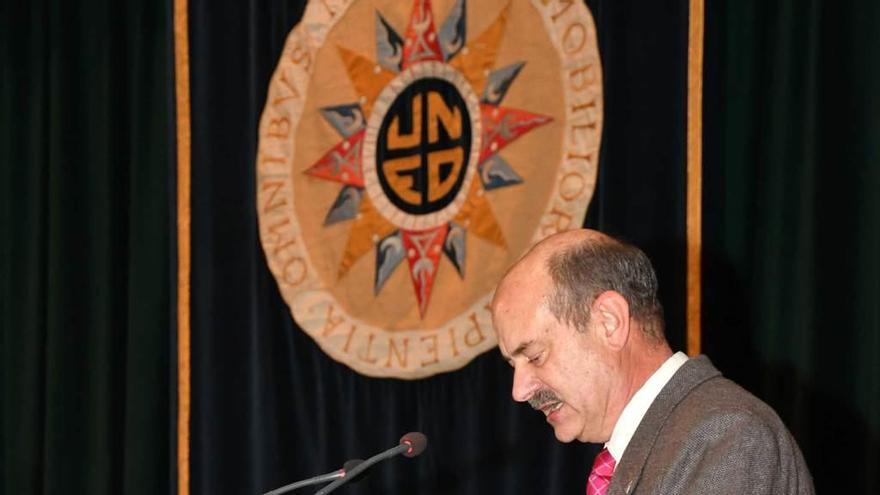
(600, 476)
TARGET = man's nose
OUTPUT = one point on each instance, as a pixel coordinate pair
(524, 384)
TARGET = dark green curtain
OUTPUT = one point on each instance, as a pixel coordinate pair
(792, 226)
(791, 272)
(269, 407)
(86, 168)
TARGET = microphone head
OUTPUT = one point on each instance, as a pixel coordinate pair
(416, 441)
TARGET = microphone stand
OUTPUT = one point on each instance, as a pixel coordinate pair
(346, 471)
(364, 466)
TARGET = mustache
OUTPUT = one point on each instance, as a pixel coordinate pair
(542, 397)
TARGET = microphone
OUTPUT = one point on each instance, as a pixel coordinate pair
(323, 478)
(411, 445)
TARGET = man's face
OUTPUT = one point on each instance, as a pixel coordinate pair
(564, 373)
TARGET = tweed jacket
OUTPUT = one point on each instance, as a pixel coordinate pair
(703, 434)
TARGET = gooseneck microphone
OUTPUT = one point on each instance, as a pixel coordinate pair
(411, 445)
(322, 478)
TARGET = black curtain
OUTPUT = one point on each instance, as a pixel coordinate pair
(269, 407)
(792, 225)
(86, 170)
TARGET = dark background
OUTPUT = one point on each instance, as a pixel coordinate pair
(87, 264)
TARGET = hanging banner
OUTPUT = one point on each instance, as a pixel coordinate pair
(409, 153)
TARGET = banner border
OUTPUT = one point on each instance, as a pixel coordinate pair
(696, 19)
(182, 103)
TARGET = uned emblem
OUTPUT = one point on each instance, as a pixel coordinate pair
(411, 151)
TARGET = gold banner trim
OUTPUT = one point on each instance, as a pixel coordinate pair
(694, 175)
(182, 100)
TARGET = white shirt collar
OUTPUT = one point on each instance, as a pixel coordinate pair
(635, 410)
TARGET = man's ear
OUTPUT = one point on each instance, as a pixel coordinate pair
(610, 314)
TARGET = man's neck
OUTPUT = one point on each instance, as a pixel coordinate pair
(638, 362)
(644, 363)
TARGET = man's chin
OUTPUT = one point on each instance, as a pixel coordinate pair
(562, 435)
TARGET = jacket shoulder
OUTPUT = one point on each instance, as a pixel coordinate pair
(719, 438)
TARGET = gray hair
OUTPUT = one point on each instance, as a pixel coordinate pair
(583, 271)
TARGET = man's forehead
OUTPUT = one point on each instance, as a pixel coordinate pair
(514, 306)
(519, 325)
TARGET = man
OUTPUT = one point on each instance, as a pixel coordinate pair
(579, 320)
